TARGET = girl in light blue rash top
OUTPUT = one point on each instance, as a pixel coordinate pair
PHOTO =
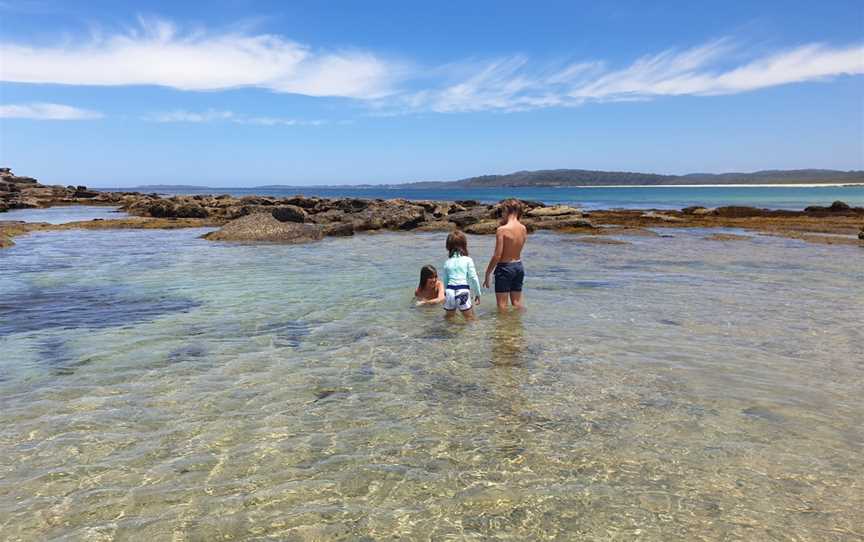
(459, 278)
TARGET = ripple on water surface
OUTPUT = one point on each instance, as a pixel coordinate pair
(157, 385)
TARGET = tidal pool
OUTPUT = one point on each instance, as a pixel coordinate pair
(157, 386)
(64, 213)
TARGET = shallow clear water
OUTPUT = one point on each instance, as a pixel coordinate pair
(63, 214)
(153, 384)
(589, 197)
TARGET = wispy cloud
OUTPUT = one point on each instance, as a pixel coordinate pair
(183, 116)
(46, 111)
(156, 52)
(514, 83)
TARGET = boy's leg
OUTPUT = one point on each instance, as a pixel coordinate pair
(516, 299)
(501, 299)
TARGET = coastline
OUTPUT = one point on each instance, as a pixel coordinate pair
(301, 219)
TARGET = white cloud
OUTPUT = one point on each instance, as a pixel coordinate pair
(227, 116)
(46, 111)
(513, 84)
(157, 53)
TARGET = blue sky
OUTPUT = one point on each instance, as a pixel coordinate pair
(244, 93)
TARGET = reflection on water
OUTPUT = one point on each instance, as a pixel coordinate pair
(508, 339)
(154, 385)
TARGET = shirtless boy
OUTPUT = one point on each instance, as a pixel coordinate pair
(506, 262)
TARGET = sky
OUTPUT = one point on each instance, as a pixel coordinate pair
(232, 93)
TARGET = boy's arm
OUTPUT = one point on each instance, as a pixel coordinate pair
(496, 256)
(473, 279)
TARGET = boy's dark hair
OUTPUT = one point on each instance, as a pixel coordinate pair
(457, 242)
(426, 273)
(511, 207)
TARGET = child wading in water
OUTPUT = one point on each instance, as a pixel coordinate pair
(507, 259)
(431, 290)
(459, 277)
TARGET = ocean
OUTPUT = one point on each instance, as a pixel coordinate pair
(154, 385)
(630, 197)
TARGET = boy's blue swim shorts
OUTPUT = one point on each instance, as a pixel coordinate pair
(509, 277)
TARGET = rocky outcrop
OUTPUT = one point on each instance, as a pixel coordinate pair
(262, 227)
(836, 208)
(17, 192)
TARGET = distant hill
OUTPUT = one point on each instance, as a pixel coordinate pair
(572, 177)
(585, 177)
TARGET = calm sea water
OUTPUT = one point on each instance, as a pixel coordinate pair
(64, 213)
(157, 386)
(658, 197)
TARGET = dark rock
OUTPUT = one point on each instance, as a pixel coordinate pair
(392, 214)
(467, 202)
(839, 206)
(735, 211)
(861, 234)
(563, 223)
(339, 229)
(326, 217)
(473, 216)
(301, 201)
(289, 213)
(262, 227)
(23, 203)
(161, 209)
(257, 200)
(353, 204)
(191, 210)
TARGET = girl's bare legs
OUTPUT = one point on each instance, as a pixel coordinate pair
(449, 314)
(469, 314)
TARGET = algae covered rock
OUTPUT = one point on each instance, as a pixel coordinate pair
(262, 227)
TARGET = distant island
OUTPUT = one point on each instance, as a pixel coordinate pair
(587, 177)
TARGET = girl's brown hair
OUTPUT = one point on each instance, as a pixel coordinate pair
(426, 273)
(458, 243)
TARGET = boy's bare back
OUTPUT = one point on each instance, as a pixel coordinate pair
(512, 237)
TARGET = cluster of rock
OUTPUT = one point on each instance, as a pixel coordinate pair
(27, 193)
(838, 208)
(301, 218)
(308, 218)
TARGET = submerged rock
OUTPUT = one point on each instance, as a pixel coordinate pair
(262, 227)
